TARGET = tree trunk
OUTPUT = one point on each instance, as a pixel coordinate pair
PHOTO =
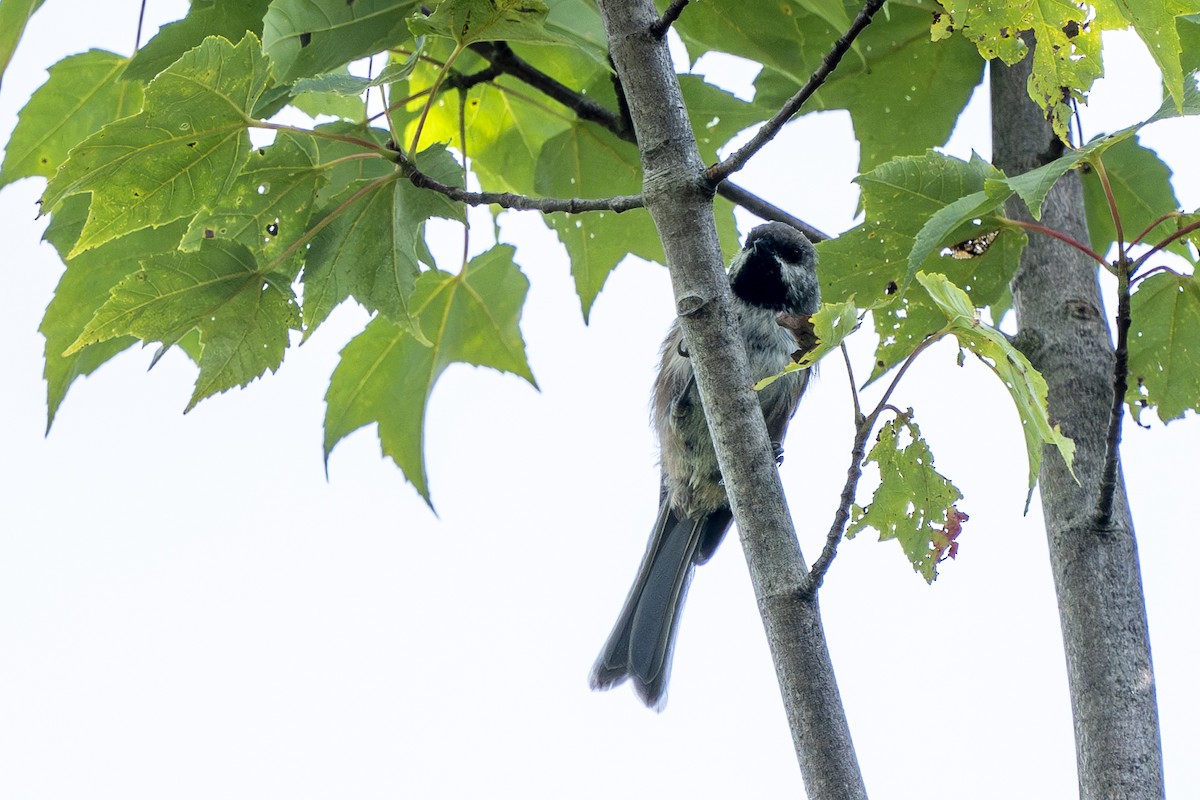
(1063, 331)
(679, 199)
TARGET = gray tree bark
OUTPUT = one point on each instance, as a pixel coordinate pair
(679, 198)
(1063, 331)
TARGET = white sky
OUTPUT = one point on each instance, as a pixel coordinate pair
(188, 609)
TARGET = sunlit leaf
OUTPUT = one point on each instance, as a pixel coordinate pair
(471, 21)
(267, 207)
(82, 94)
(180, 153)
(229, 19)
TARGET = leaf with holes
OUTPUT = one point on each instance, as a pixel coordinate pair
(182, 151)
(267, 207)
(914, 503)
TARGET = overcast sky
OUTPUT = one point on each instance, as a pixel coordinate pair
(190, 609)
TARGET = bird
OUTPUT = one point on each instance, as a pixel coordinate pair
(775, 272)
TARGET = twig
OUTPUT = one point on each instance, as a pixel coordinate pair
(663, 23)
(546, 205)
(771, 127)
(137, 45)
(1141, 276)
(816, 573)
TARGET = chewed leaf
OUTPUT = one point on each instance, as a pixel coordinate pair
(914, 503)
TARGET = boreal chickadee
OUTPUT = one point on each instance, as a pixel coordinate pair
(774, 272)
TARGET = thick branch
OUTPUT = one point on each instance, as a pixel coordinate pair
(1120, 382)
(679, 198)
(771, 127)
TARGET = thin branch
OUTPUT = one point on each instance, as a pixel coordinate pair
(319, 133)
(858, 415)
(663, 24)
(1108, 478)
(441, 77)
(546, 205)
(771, 127)
(816, 573)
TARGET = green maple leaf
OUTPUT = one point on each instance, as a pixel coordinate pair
(471, 21)
(914, 503)
(1155, 23)
(309, 37)
(84, 287)
(1164, 345)
(387, 373)
(369, 250)
(14, 16)
(268, 205)
(585, 161)
(243, 315)
(182, 151)
(229, 19)
(716, 115)
(82, 94)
